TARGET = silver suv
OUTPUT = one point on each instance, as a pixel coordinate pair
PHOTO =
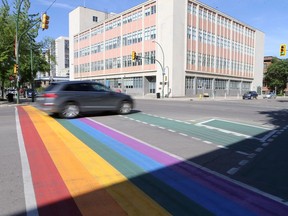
(70, 98)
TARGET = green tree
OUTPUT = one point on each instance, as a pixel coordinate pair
(28, 26)
(276, 76)
(6, 45)
(48, 46)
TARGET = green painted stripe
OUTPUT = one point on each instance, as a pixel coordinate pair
(214, 136)
(237, 128)
(169, 198)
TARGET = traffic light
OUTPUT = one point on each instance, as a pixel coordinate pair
(283, 50)
(16, 68)
(134, 56)
(45, 21)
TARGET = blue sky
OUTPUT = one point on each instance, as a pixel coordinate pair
(268, 16)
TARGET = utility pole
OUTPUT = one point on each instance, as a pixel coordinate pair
(45, 22)
(17, 50)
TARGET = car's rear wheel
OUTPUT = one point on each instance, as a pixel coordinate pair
(70, 110)
(125, 108)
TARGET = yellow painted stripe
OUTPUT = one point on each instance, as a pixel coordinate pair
(71, 157)
(89, 195)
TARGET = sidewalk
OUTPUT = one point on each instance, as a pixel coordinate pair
(22, 101)
(25, 101)
(222, 98)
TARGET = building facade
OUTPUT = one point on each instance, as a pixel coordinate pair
(62, 56)
(184, 48)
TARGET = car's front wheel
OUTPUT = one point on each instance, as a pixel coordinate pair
(125, 107)
(70, 110)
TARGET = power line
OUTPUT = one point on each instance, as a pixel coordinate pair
(50, 6)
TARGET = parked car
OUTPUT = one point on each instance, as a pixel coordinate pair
(270, 95)
(250, 95)
(11, 91)
(71, 98)
(29, 93)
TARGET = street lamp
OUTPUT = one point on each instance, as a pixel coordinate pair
(162, 66)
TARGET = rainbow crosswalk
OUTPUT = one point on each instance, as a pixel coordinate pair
(82, 167)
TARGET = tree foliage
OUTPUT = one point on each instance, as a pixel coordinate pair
(6, 43)
(31, 59)
(277, 75)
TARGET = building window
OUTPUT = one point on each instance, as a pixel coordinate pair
(150, 33)
(189, 83)
(149, 57)
(95, 19)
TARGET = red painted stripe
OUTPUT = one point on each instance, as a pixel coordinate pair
(52, 195)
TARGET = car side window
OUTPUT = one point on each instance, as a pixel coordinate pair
(78, 87)
(71, 87)
(51, 86)
(99, 88)
(86, 87)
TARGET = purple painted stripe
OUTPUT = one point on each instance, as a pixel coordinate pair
(245, 197)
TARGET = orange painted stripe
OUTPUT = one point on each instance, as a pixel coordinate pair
(90, 196)
(52, 195)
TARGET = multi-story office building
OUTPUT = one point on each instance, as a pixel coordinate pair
(59, 69)
(62, 56)
(183, 47)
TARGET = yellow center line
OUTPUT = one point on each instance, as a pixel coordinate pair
(86, 173)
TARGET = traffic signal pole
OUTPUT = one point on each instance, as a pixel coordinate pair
(18, 40)
(162, 68)
(134, 57)
(17, 50)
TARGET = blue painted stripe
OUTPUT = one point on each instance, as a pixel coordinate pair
(172, 200)
(196, 192)
(243, 196)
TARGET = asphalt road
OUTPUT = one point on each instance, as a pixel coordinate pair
(256, 160)
(242, 141)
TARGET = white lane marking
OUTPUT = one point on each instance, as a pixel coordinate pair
(243, 185)
(183, 134)
(243, 162)
(243, 153)
(263, 139)
(30, 200)
(268, 135)
(252, 155)
(258, 149)
(202, 124)
(221, 146)
(248, 125)
(232, 171)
